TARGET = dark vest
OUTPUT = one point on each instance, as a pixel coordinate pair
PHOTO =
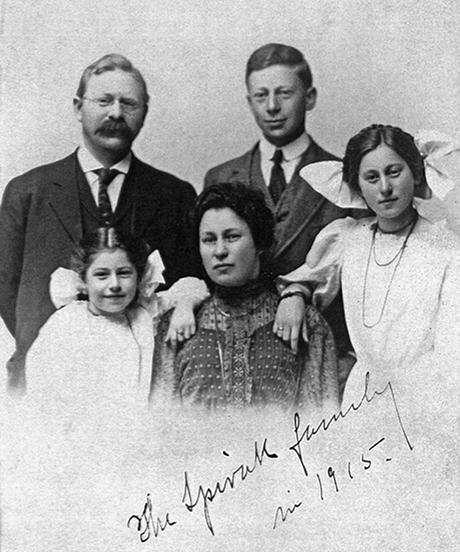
(90, 218)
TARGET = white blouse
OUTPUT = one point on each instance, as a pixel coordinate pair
(402, 304)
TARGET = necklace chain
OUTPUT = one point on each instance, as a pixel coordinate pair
(221, 362)
(387, 263)
(400, 250)
(398, 255)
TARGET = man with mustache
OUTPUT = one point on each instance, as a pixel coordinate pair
(48, 209)
(280, 93)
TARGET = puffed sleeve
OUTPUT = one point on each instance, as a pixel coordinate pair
(190, 289)
(322, 269)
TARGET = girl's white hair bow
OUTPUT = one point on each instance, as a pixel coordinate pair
(442, 167)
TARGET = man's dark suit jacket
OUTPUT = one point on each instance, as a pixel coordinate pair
(41, 219)
(300, 215)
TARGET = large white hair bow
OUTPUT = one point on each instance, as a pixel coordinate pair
(442, 168)
(66, 285)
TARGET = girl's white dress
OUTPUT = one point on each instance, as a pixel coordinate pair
(403, 315)
(81, 358)
(72, 450)
(75, 440)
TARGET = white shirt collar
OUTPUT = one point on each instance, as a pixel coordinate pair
(291, 151)
(89, 163)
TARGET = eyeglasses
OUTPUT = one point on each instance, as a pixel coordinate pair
(126, 104)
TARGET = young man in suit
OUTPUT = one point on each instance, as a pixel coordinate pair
(280, 92)
(47, 210)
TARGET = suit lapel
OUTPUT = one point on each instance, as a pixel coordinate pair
(128, 192)
(242, 172)
(289, 210)
(87, 202)
(136, 198)
(64, 197)
(249, 172)
(256, 178)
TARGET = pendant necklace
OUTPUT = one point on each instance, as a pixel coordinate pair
(398, 256)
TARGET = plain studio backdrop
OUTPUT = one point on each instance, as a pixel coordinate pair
(386, 61)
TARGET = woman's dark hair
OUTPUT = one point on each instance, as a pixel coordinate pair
(107, 239)
(247, 203)
(369, 139)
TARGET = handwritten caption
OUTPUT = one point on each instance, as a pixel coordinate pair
(327, 479)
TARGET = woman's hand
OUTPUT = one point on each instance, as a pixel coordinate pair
(289, 321)
(182, 325)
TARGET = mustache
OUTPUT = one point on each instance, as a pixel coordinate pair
(115, 128)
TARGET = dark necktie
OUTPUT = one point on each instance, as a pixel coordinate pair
(105, 208)
(277, 179)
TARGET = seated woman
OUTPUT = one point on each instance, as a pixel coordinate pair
(234, 359)
(399, 272)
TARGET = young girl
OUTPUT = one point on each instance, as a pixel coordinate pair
(399, 272)
(97, 349)
(84, 421)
